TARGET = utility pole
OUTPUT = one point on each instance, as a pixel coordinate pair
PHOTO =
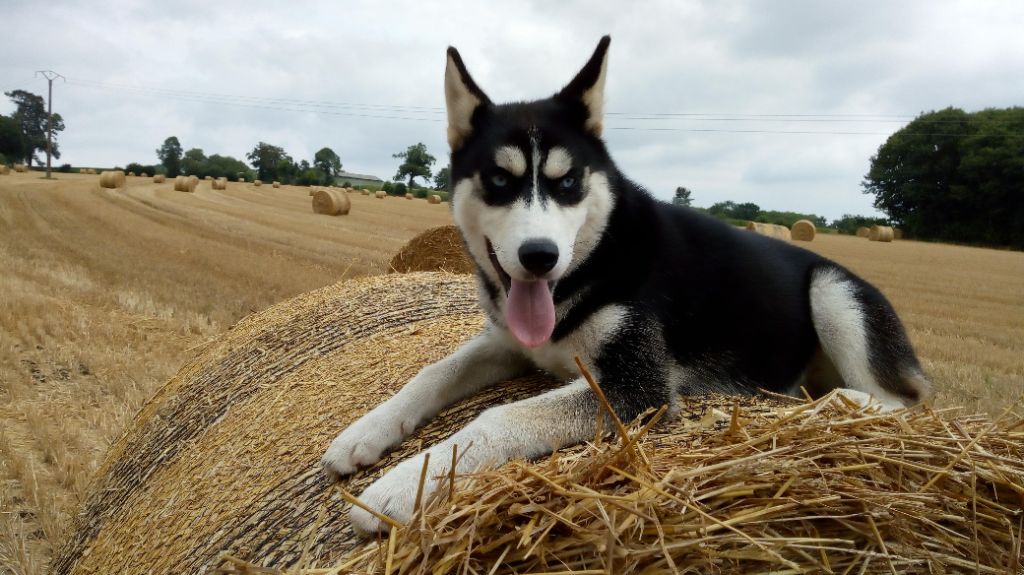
(50, 76)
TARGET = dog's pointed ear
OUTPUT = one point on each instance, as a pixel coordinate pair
(462, 97)
(587, 88)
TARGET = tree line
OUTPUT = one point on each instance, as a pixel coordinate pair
(23, 133)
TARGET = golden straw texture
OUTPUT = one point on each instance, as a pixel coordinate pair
(803, 231)
(437, 249)
(331, 202)
(881, 234)
(112, 179)
(770, 230)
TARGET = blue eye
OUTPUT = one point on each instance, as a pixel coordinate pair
(499, 180)
(567, 183)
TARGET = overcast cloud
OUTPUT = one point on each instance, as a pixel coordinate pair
(863, 61)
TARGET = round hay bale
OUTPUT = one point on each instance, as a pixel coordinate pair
(159, 179)
(207, 178)
(897, 234)
(276, 184)
(880, 234)
(83, 170)
(185, 184)
(409, 196)
(803, 231)
(112, 179)
(220, 184)
(20, 168)
(437, 249)
(863, 232)
(434, 199)
(219, 472)
(241, 180)
(771, 230)
(257, 183)
(365, 192)
(380, 194)
(143, 175)
(4, 170)
(331, 202)
(131, 174)
(92, 171)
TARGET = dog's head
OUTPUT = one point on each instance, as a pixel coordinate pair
(530, 188)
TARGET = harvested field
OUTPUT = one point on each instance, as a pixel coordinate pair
(106, 293)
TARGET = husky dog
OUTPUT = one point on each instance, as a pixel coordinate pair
(572, 258)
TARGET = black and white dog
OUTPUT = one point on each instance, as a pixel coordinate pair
(572, 258)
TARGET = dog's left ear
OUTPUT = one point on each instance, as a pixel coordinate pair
(587, 88)
(462, 97)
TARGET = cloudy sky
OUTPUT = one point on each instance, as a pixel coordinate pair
(780, 103)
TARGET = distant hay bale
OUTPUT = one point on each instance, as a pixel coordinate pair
(257, 183)
(331, 202)
(241, 180)
(143, 175)
(276, 184)
(380, 194)
(863, 232)
(131, 174)
(437, 249)
(409, 196)
(803, 231)
(20, 168)
(92, 171)
(159, 179)
(365, 192)
(880, 234)
(220, 184)
(112, 179)
(185, 184)
(207, 178)
(219, 472)
(434, 199)
(897, 233)
(83, 170)
(771, 230)
(4, 170)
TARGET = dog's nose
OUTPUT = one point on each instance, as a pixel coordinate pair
(538, 256)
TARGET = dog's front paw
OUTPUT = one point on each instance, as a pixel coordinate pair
(394, 495)
(364, 442)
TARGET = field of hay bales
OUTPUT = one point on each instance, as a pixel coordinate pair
(105, 292)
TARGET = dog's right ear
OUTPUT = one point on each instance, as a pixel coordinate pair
(462, 97)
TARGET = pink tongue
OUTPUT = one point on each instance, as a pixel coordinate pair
(530, 312)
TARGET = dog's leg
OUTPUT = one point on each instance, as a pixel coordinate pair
(483, 361)
(864, 339)
(524, 429)
(527, 429)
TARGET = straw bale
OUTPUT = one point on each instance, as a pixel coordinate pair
(112, 179)
(257, 183)
(863, 232)
(131, 174)
(434, 199)
(83, 170)
(143, 175)
(771, 230)
(207, 178)
(437, 249)
(409, 196)
(185, 183)
(366, 192)
(219, 184)
(159, 179)
(276, 184)
(20, 168)
(220, 474)
(880, 234)
(92, 171)
(331, 203)
(380, 194)
(803, 231)
(241, 180)
(4, 170)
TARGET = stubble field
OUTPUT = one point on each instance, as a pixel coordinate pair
(104, 293)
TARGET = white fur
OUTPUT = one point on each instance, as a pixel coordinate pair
(482, 361)
(558, 163)
(511, 159)
(593, 99)
(524, 429)
(558, 357)
(839, 322)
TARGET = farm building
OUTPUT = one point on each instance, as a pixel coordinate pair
(357, 180)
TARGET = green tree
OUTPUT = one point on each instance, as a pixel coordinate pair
(220, 166)
(31, 116)
(272, 163)
(442, 181)
(849, 223)
(194, 163)
(328, 162)
(12, 141)
(955, 176)
(682, 197)
(416, 163)
(169, 155)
